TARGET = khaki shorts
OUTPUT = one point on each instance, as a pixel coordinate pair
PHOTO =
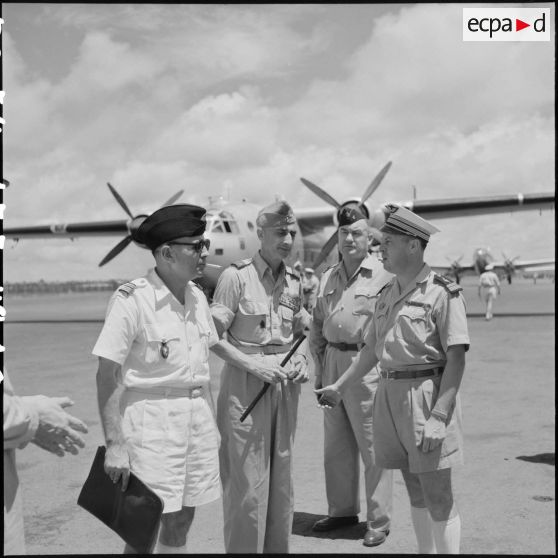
(173, 444)
(401, 408)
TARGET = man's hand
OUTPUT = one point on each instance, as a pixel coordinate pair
(433, 434)
(58, 430)
(270, 373)
(117, 462)
(328, 396)
(299, 371)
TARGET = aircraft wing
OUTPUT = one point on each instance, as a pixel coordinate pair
(315, 219)
(312, 219)
(448, 270)
(70, 230)
(532, 265)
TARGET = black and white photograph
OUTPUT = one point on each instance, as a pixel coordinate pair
(278, 278)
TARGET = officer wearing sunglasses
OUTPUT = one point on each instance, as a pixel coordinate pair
(153, 375)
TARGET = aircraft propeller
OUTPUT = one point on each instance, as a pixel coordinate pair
(133, 225)
(323, 195)
(455, 267)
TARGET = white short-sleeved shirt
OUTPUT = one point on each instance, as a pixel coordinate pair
(413, 329)
(140, 322)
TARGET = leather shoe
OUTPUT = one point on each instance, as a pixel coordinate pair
(330, 523)
(374, 538)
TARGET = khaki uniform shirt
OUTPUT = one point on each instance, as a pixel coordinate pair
(412, 330)
(140, 322)
(345, 305)
(254, 308)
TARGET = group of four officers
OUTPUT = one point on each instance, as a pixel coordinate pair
(397, 341)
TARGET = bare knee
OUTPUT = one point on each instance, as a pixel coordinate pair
(438, 494)
(175, 526)
(414, 489)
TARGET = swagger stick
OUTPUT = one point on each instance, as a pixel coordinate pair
(288, 356)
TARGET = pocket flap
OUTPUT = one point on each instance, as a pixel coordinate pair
(158, 332)
(252, 307)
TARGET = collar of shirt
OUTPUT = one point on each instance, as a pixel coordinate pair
(420, 277)
(367, 263)
(160, 290)
(263, 268)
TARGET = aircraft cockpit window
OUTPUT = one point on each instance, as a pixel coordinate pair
(217, 227)
(228, 222)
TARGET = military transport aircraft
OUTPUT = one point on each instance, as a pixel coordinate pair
(482, 256)
(232, 227)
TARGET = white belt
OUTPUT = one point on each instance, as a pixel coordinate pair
(193, 392)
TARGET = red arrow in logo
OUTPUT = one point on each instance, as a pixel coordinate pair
(519, 25)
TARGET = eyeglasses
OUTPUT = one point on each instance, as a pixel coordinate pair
(198, 246)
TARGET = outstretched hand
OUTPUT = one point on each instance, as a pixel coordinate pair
(328, 396)
(57, 431)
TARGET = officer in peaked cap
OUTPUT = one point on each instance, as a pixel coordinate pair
(399, 220)
(258, 303)
(418, 338)
(153, 365)
(344, 308)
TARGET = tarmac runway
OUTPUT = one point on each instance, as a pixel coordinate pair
(505, 491)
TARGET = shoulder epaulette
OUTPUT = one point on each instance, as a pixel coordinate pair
(449, 285)
(242, 263)
(127, 289)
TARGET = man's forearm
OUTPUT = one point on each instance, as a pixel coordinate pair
(363, 363)
(108, 398)
(451, 380)
(229, 353)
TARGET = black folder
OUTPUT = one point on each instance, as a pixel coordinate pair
(134, 514)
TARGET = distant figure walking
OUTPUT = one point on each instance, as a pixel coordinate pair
(489, 285)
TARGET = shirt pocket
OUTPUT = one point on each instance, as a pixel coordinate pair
(411, 324)
(286, 315)
(158, 334)
(251, 321)
(364, 302)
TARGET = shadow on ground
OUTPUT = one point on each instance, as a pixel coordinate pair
(548, 458)
(302, 526)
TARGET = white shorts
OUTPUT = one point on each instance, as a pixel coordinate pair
(173, 443)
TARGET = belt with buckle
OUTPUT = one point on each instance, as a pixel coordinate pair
(263, 349)
(193, 392)
(344, 346)
(410, 374)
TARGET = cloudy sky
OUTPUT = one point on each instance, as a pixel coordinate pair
(242, 100)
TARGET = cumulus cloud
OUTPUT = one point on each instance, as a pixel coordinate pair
(244, 100)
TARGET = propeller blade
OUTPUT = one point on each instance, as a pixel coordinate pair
(460, 258)
(172, 199)
(121, 202)
(328, 247)
(320, 193)
(116, 250)
(375, 183)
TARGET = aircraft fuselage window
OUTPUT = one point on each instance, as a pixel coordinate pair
(250, 225)
(218, 251)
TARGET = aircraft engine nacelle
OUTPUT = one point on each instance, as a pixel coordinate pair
(133, 225)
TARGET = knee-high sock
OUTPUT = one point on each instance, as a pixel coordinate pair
(447, 535)
(423, 530)
(165, 549)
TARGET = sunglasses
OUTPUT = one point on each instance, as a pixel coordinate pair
(198, 246)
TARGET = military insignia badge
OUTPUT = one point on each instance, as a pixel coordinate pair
(164, 349)
(292, 302)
